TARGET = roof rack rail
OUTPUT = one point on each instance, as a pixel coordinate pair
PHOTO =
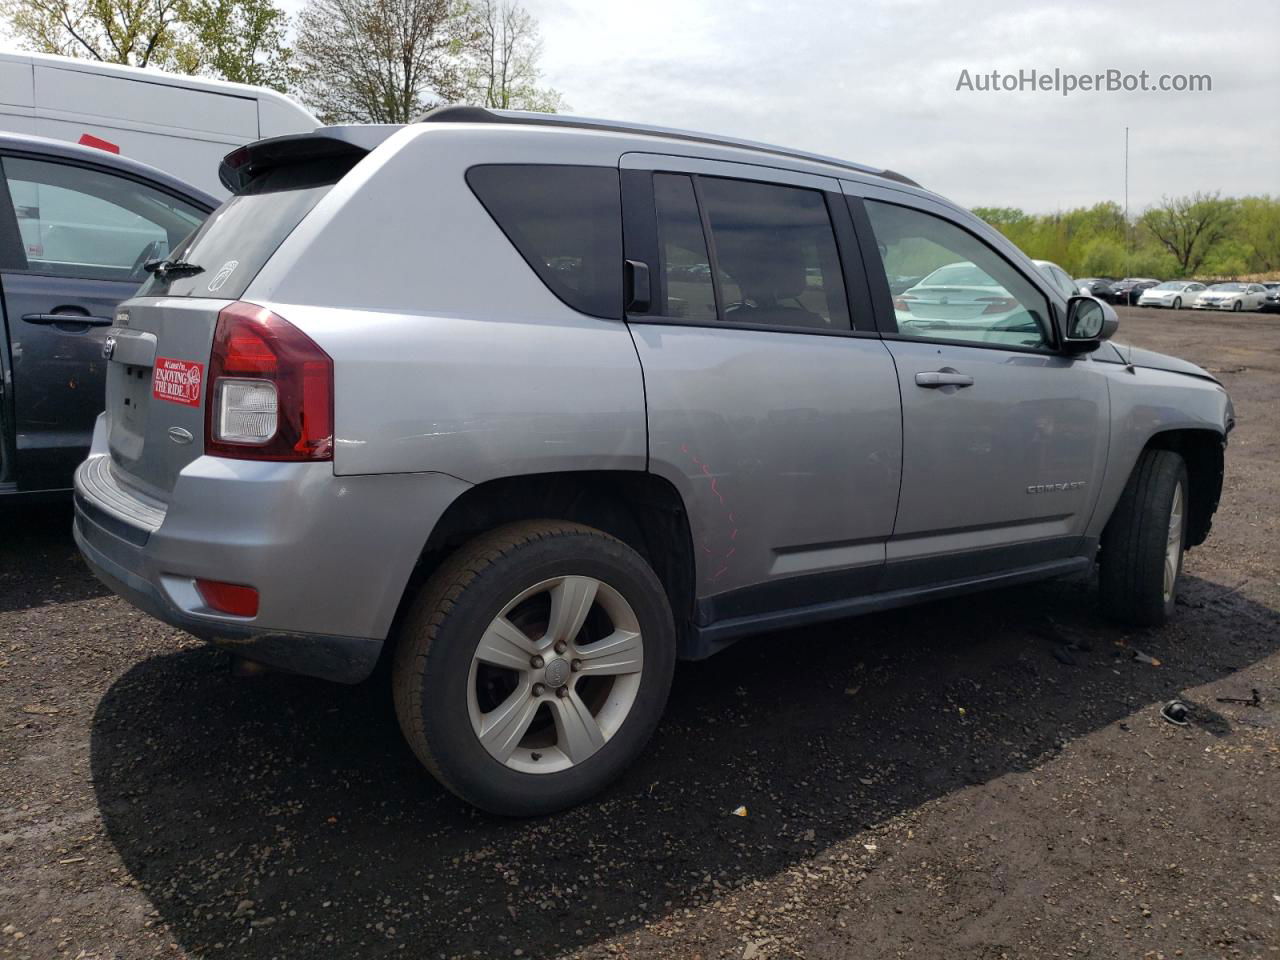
(464, 114)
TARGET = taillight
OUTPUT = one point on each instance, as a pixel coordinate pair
(998, 304)
(902, 304)
(271, 394)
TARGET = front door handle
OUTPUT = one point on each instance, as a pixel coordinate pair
(943, 378)
(68, 319)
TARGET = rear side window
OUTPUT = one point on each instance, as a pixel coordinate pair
(566, 221)
(241, 235)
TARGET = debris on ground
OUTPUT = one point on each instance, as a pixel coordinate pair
(1253, 701)
(1176, 712)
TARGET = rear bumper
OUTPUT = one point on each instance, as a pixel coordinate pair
(342, 659)
(330, 556)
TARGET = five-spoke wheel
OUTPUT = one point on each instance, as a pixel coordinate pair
(534, 666)
(555, 674)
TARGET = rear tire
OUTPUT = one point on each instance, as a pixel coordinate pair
(1143, 543)
(534, 666)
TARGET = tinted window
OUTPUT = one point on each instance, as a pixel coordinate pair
(686, 265)
(566, 222)
(241, 235)
(992, 304)
(79, 222)
(776, 255)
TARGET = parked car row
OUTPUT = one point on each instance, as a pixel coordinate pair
(1180, 294)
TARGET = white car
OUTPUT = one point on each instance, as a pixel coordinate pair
(1060, 279)
(1232, 296)
(1171, 294)
(962, 300)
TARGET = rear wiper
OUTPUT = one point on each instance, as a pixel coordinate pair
(165, 269)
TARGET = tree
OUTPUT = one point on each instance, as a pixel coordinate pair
(504, 52)
(1189, 226)
(380, 61)
(1259, 227)
(240, 40)
(1001, 217)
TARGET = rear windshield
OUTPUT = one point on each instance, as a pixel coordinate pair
(241, 235)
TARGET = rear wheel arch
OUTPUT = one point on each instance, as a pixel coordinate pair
(641, 509)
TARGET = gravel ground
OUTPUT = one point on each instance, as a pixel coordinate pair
(988, 777)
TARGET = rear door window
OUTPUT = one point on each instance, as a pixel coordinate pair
(775, 255)
(566, 221)
(88, 224)
(687, 290)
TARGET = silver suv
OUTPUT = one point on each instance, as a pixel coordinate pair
(533, 406)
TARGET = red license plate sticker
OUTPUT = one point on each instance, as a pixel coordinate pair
(177, 381)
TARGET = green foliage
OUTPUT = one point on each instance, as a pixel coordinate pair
(1258, 223)
(239, 40)
(1198, 234)
(1228, 258)
(1189, 227)
(1099, 257)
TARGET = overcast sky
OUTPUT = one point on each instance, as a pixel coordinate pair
(875, 82)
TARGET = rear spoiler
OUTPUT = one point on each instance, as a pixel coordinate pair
(244, 164)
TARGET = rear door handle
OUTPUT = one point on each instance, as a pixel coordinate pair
(943, 378)
(79, 319)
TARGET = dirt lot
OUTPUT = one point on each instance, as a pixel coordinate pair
(988, 777)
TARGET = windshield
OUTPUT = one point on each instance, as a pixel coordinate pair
(241, 235)
(1171, 285)
(1228, 287)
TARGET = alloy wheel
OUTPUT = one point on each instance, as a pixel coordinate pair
(1173, 545)
(555, 674)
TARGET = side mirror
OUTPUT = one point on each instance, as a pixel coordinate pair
(1089, 322)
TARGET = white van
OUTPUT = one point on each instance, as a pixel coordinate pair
(180, 124)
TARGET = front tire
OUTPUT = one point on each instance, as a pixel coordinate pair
(1237, 306)
(1177, 303)
(1144, 541)
(534, 666)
